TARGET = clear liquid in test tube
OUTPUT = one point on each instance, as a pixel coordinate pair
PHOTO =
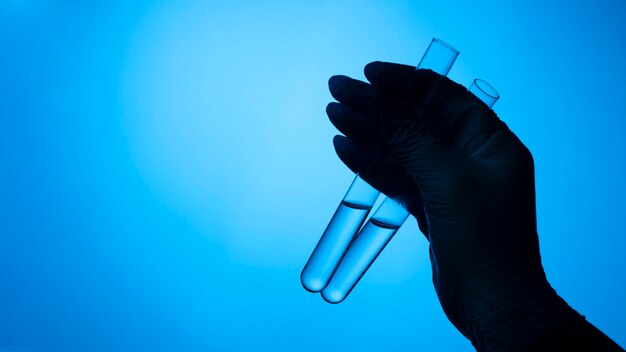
(354, 208)
(364, 250)
(344, 224)
(380, 228)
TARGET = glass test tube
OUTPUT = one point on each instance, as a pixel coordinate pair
(344, 224)
(357, 203)
(484, 91)
(364, 250)
(380, 228)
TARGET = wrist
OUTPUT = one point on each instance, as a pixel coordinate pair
(506, 314)
(579, 335)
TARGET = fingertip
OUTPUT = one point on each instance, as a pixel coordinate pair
(334, 115)
(371, 69)
(332, 108)
(340, 143)
(349, 153)
(388, 76)
(334, 82)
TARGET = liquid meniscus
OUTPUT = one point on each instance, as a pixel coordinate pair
(343, 226)
(362, 252)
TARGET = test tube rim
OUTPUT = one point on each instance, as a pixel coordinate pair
(484, 86)
(446, 44)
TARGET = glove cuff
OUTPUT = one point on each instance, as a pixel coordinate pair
(507, 315)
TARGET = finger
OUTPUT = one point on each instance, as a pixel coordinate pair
(447, 110)
(361, 128)
(422, 221)
(354, 156)
(353, 93)
(391, 179)
(389, 78)
(452, 113)
(430, 162)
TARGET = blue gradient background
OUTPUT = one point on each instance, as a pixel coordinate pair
(166, 168)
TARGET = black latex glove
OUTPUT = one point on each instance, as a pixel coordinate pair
(426, 141)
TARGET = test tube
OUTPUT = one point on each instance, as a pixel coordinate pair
(364, 250)
(344, 224)
(360, 198)
(484, 91)
(380, 228)
(439, 57)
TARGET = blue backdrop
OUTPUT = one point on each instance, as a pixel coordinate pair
(166, 168)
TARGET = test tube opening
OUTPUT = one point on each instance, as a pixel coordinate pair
(484, 91)
(486, 88)
(439, 57)
(445, 44)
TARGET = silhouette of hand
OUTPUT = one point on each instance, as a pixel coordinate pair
(427, 142)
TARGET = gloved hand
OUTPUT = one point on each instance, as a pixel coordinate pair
(426, 141)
